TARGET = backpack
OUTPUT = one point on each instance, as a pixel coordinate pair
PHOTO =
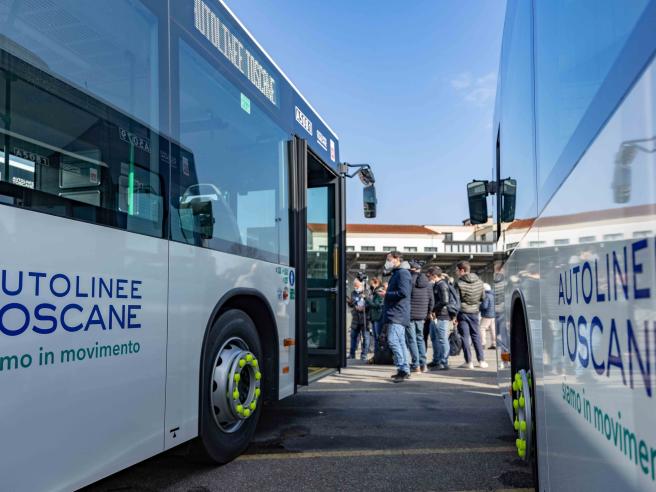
(455, 343)
(383, 355)
(453, 307)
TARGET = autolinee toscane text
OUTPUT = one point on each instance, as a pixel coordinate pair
(44, 303)
(615, 282)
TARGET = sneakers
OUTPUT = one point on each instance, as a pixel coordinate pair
(444, 367)
(423, 368)
(416, 370)
(431, 365)
(492, 347)
(466, 365)
(482, 364)
(399, 377)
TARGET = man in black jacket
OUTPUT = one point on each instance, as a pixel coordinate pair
(397, 313)
(441, 325)
(421, 306)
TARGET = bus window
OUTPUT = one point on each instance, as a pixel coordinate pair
(107, 49)
(65, 153)
(236, 171)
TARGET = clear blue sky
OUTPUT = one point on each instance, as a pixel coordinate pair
(407, 86)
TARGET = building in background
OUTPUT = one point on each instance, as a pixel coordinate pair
(367, 246)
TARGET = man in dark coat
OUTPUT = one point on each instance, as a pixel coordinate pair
(421, 306)
(397, 312)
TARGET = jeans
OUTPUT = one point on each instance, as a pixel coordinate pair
(396, 342)
(427, 325)
(377, 327)
(470, 331)
(415, 341)
(355, 336)
(439, 333)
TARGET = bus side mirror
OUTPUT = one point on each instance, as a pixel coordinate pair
(508, 198)
(369, 201)
(477, 197)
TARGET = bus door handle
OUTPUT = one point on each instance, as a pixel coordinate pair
(331, 290)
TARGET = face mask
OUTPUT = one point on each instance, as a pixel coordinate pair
(359, 289)
(389, 265)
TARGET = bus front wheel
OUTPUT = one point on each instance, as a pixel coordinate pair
(523, 390)
(230, 387)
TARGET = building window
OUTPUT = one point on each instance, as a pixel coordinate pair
(323, 247)
(587, 239)
(638, 234)
(389, 248)
(410, 249)
(483, 237)
(536, 244)
(511, 245)
(448, 236)
(350, 248)
(367, 248)
(613, 237)
(430, 249)
(561, 242)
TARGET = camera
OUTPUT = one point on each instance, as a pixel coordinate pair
(361, 276)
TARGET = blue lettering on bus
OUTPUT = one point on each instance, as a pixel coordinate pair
(623, 348)
(44, 318)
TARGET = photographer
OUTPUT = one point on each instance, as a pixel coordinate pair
(359, 330)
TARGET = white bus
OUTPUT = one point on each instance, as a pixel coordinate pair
(575, 276)
(157, 174)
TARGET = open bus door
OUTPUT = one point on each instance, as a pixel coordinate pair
(319, 238)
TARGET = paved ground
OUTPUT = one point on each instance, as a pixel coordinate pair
(359, 431)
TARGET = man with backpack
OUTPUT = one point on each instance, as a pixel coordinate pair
(445, 308)
(397, 312)
(421, 307)
(472, 293)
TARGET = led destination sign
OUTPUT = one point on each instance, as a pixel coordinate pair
(219, 34)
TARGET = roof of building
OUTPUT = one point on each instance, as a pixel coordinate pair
(378, 229)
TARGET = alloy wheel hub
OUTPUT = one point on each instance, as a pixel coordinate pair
(523, 424)
(235, 385)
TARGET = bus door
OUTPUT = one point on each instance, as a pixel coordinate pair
(320, 307)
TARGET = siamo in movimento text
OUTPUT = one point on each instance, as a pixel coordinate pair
(45, 303)
(621, 280)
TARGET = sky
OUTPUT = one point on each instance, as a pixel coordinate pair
(408, 87)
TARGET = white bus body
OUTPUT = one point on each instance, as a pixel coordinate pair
(575, 276)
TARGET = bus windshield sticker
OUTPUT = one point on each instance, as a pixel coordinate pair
(245, 103)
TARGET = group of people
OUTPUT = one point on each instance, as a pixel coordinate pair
(415, 305)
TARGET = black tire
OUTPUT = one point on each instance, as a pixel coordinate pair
(214, 445)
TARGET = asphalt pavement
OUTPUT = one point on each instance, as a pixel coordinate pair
(357, 430)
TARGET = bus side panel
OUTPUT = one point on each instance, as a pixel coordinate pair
(199, 278)
(81, 374)
(598, 283)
